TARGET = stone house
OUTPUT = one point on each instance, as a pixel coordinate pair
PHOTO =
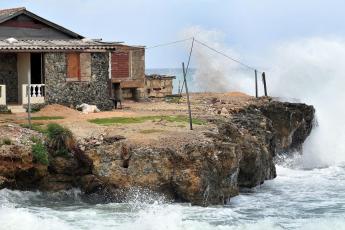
(159, 85)
(62, 66)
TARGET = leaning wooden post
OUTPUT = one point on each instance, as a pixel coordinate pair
(28, 92)
(179, 87)
(256, 84)
(264, 82)
(188, 102)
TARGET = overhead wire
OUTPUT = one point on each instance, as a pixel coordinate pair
(225, 55)
(169, 43)
(205, 45)
(189, 57)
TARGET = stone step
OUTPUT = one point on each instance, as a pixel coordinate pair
(16, 109)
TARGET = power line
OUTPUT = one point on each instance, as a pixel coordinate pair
(225, 55)
(168, 44)
(205, 45)
(190, 55)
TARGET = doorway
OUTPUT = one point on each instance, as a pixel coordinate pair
(30, 65)
(36, 65)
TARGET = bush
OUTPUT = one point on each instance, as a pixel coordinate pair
(40, 153)
(6, 141)
(60, 139)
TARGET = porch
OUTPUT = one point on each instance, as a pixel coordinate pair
(16, 70)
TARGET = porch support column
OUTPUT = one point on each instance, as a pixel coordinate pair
(28, 91)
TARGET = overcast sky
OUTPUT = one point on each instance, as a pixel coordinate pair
(249, 26)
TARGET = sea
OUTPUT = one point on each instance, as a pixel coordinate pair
(297, 199)
(304, 195)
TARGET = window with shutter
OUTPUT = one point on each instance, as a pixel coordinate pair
(73, 67)
(85, 66)
(78, 67)
(120, 65)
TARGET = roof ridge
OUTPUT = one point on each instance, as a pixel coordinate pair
(11, 10)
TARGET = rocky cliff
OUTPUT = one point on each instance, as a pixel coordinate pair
(207, 169)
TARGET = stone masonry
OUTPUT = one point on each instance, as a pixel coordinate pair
(60, 91)
(9, 75)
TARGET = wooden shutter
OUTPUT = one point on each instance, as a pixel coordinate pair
(73, 67)
(120, 65)
(85, 66)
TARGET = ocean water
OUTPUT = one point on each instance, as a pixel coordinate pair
(296, 199)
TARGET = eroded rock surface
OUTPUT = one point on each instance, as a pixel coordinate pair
(202, 172)
(207, 168)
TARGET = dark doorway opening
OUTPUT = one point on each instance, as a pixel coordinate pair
(36, 68)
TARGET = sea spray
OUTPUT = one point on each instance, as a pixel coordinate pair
(214, 73)
(312, 71)
(307, 70)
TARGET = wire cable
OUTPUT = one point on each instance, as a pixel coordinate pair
(225, 55)
(190, 55)
(168, 44)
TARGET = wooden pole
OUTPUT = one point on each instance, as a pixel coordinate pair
(179, 87)
(189, 57)
(264, 82)
(256, 84)
(188, 102)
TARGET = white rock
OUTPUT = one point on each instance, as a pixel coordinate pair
(224, 112)
(85, 108)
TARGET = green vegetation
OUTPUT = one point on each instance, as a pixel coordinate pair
(6, 141)
(176, 100)
(47, 118)
(40, 153)
(148, 131)
(133, 120)
(35, 126)
(60, 139)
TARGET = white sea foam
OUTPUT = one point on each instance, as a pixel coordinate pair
(21, 218)
(312, 71)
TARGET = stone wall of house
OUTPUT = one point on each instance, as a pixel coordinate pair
(60, 91)
(9, 76)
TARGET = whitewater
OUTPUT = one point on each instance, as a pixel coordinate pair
(296, 199)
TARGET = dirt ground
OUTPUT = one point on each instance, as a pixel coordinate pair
(158, 132)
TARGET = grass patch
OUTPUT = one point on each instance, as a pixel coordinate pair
(60, 139)
(40, 153)
(176, 100)
(36, 127)
(149, 131)
(5, 141)
(134, 120)
(47, 118)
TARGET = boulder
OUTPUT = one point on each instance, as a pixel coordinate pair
(292, 122)
(17, 169)
(85, 108)
(202, 173)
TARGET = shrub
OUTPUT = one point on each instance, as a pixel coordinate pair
(40, 153)
(6, 141)
(60, 139)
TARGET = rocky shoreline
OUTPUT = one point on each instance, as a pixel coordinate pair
(208, 169)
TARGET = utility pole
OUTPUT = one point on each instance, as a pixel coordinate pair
(188, 102)
(189, 57)
(256, 84)
(264, 82)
